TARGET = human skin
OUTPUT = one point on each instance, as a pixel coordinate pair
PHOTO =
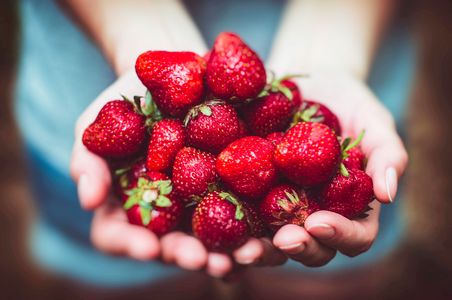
(340, 85)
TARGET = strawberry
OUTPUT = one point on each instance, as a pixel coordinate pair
(220, 223)
(118, 131)
(312, 111)
(246, 166)
(274, 109)
(293, 87)
(275, 137)
(175, 79)
(152, 204)
(256, 225)
(211, 126)
(285, 204)
(193, 172)
(126, 178)
(355, 159)
(348, 195)
(268, 114)
(352, 156)
(309, 154)
(234, 71)
(243, 129)
(167, 138)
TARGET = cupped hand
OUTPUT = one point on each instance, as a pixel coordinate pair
(358, 109)
(110, 229)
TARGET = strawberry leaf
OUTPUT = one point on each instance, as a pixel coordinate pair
(205, 110)
(283, 204)
(239, 213)
(355, 142)
(131, 201)
(165, 187)
(344, 170)
(293, 197)
(145, 216)
(286, 92)
(124, 181)
(162, 201)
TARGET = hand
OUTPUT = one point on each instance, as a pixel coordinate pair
(357, 108)
(110, 230)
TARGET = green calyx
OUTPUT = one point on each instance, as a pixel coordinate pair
(146, 107)
(203, 108)
(149, 194)
(239, 210)
(275, 86)
(290, 200)
(346, 145)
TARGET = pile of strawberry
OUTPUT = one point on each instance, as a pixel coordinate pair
(216, 150)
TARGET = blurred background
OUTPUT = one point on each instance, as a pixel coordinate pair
(421, 268)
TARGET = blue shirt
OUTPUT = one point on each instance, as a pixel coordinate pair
(61, 71)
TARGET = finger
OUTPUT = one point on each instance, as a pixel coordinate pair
(249, 253)
(92, 176)
(298, 244)
(111, 233)
(387, 157)
(184, 250)
(351, 237)
(218, 264)
(272, 256)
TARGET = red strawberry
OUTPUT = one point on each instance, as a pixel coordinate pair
(243, 129)
(275, 137)
(268, 114)
(256, 225)
(355, 159)
(293, 87)
(352, 157)
(312, 111)
(153, 204)
(285, 204)
(127, 178)
(309, 154)
(220, 223)
(234, 71)
(348, 195)
(167, 138)
(246, 166)
(118, 131)
(211, 126)
(175, 79)
(193, 172)
(274, 110)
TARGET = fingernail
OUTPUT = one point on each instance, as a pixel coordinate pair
(391, 183)
(82, 186)
(322, 231)
(293, 248)
(245, 260)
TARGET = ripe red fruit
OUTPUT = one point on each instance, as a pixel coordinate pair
(127, 178)
(355, 159)
(256, 224)
(152, 204)
(175, 79)
(285, 204)
(352, 157)
(193, 172)
(296, 94)
(246, 166)
(234, 71)
(312, 111)
(211, 126)
(220, 223)
(118, 131)
(167, 138)
(243, 129)
(348, 195)
(308, 154)
(275, 137)
(269, 114)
